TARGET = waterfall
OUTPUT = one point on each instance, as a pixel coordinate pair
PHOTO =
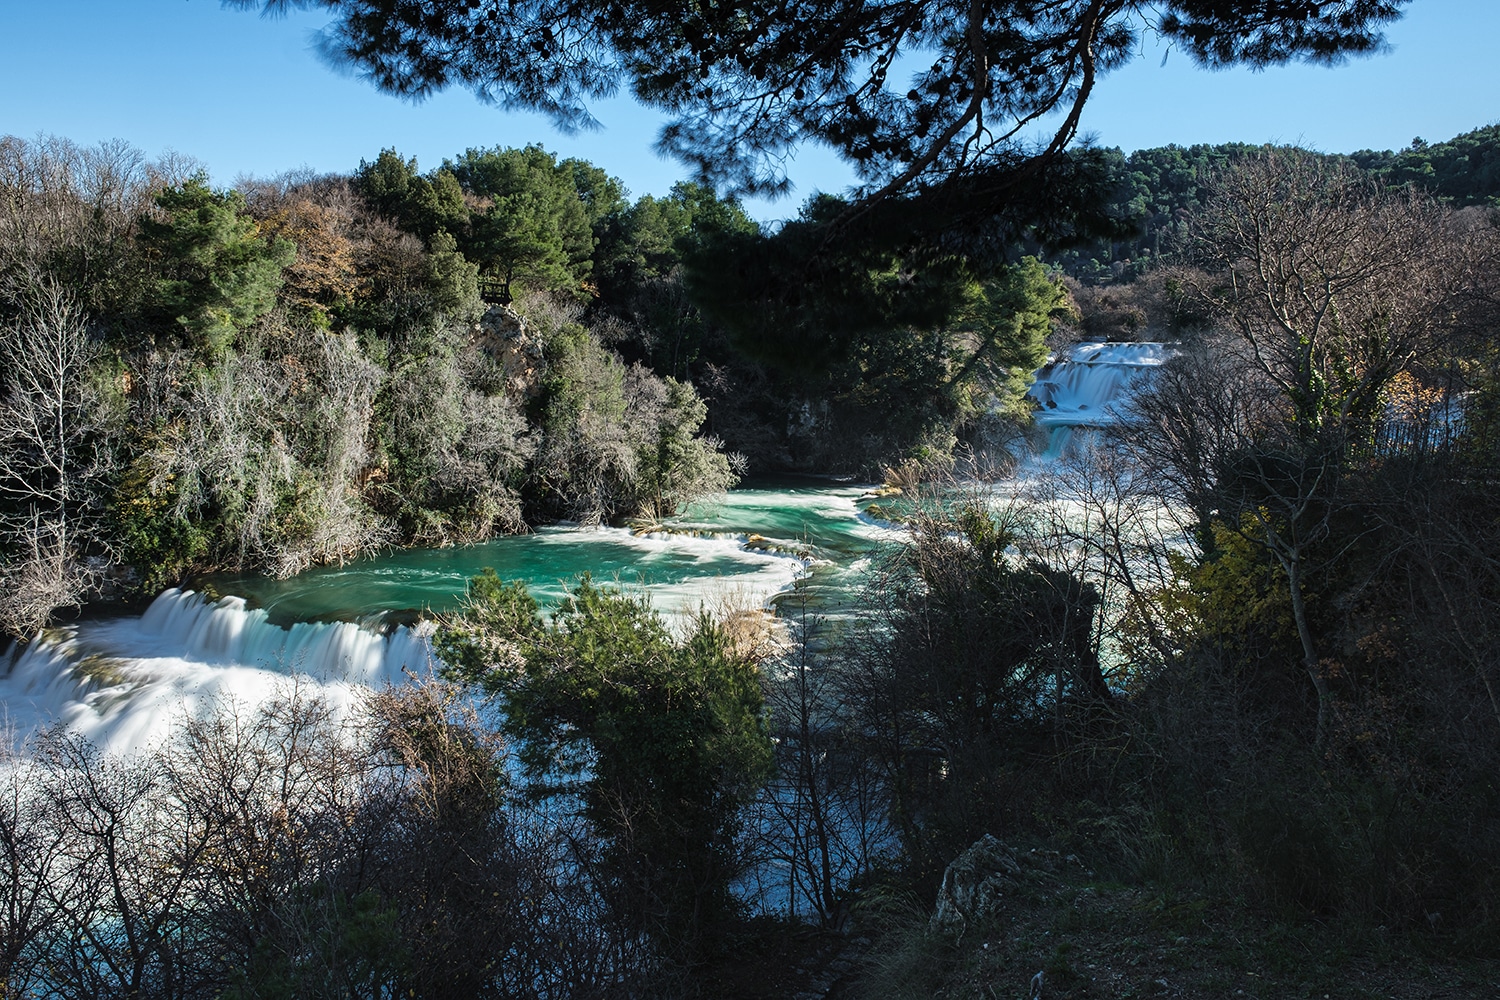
(122, 682)
(225, 633)
(1090, 387)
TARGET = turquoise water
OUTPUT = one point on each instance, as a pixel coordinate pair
(751, 543)
(186, 654)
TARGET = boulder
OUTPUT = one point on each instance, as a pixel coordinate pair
(501, 333)
(975, 886)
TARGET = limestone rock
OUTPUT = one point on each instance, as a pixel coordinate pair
(975, 885)
(502, 334)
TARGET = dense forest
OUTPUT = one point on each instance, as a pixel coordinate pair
(1239, 654)
(301, 370)
(1156, 192)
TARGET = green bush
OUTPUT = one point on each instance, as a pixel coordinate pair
(663, 740)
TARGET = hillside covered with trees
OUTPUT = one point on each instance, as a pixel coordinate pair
(301, 370)
(1156, 192)
(1239, 654)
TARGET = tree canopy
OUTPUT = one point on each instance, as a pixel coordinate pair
(1464, 170)
(915, 93)
(933, 102)
(664, 738)
(219, 273)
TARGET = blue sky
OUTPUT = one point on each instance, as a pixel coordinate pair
(248, 96)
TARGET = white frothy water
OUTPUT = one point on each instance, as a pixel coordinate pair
(1090, 387)
(759, 573)
(122, 682)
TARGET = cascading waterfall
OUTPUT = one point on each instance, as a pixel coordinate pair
(226, 632)
(1090, 387)
(122, 682)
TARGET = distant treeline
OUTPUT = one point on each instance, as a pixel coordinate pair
(1159, 190)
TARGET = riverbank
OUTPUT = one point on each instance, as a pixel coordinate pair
(1063, 930)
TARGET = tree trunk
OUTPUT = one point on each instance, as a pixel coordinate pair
(1310, 661)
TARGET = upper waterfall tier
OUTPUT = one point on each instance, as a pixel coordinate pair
(1090, 385)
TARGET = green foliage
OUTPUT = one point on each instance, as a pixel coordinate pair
(640, 243)
(158, 541)
(343, 399)
(357, 950)
(649, 238)
(675, 465)
(217, 273)
(1233, 601)
(453, 281)
(1152, 193)
(1464, 170)
(663, 739)
(603, 196)
(1155, 192)
(847, 332)
(746, 86)
(888, 356)
(1010, 318)
(536, 230)
(586, 460)
(421, 205)
(519, 218)
(617, 441)
(456, 452)
(802, 301)
(642, 293)
(386, 183)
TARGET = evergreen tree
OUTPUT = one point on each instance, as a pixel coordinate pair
(218, 274)
(421, 205)
(1007, 324)
(536, 230)
(663, 740)
(747, 84)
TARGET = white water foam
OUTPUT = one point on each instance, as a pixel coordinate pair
(1091, 387)
(122, 682)
(759, 573)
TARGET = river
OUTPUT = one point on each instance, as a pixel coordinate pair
(338, 629)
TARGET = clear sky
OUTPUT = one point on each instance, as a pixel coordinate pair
(249, 96)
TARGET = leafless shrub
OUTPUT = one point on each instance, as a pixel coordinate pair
(284, 847)
(459, 452)
(70, 212)
(1330, 291)
(54, 458)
